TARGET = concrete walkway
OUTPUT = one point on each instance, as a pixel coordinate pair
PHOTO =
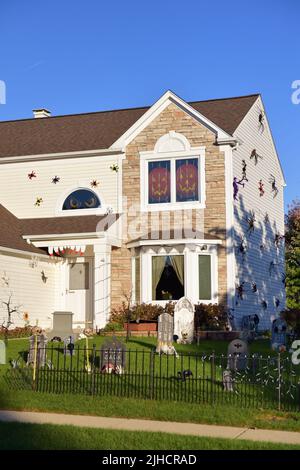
(205, 430)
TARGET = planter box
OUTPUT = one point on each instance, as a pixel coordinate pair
(217, 335)
(151, 326)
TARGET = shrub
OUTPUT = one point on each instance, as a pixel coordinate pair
(113, 327)
(143, 311)
(211, 317)
(18, 332)
(292, 317)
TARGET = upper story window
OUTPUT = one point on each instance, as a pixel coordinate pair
(173, 175)
(81, 199)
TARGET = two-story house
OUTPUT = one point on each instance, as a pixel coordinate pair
(152, 203)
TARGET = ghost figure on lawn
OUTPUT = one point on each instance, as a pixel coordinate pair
(184, 320)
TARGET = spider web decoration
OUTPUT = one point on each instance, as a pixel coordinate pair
(251, 222)
(261, 188)
(254, 155)
(274, 188)
(31, 175)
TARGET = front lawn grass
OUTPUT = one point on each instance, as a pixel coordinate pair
(21, 436)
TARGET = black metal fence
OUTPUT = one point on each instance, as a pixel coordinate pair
(253, 381)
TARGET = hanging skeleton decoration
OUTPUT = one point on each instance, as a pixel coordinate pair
(274, 189)
(254, 287)
(261, 121)
(261, 188)
(255, 156)
(278, 239)
(236, 183)
(38, 201)
(31, 175)
(240, 291)
(264, 305)
(94, 183)
(244, 171)
(56, 179)
(251, 221)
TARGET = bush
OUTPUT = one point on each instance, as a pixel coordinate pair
(146, 312)
(113, 327)
(211, 317)
(292, 317)
(18, 332)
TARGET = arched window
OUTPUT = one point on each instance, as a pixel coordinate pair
(81, 199)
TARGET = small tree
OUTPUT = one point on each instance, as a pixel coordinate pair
(10, 310)
(292, 239)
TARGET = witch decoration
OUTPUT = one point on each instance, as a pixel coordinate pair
(236, 184)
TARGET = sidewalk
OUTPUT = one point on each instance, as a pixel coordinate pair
(228, 432)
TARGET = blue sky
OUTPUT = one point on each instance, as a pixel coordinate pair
(75, 56)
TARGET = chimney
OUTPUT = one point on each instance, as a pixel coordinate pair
(41, 113)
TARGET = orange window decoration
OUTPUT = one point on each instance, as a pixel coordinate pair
(159, 182)
(187, 180)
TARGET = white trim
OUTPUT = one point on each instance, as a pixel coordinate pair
(229, 211)
(179, 241)
(158, 155)
(105, 154)
(59, 236)
(28, 254)
(162, 103)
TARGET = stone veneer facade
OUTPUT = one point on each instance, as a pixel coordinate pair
(213, 219)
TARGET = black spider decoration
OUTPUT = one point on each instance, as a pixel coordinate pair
(278, 239)
(244, 171)
(255, 156)
(44, 277)
(31, 175)
(56, 179)
(251, 222)
(274, 189)
(264, 305)
(94, 183)
(254, 287)
(261, 120)
(277, 302)
(240, 290)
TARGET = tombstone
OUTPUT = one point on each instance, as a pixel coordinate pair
(2, 353)
(237, 355)
(165, 331)
(69, 346)
(41, 355)
(184, 321)
(62, 325)
(249, 327)
(112, 356)
(279, 330)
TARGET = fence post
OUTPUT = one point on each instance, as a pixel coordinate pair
(93, 367)
(152, 359)
(213, 376)
(279, 381)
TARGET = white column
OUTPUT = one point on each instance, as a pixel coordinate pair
(102, 283)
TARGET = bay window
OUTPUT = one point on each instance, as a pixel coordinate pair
(167, 277)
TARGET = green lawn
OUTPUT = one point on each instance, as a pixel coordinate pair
(149, 409)
(20, 436)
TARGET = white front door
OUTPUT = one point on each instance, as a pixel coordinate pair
(79, 291)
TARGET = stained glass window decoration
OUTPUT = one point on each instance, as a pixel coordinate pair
(159, 182)
(81, 199)
(187, 188)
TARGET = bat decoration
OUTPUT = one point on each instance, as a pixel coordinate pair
(56, 179)
(240, 290)
(31, 175)
(94, 183)
(254, 287)
(255, 156)
(267, 218)
(274, 189)
(278, 239)
(236, 183)
(114, 168)
(261, 188)
(244, 171)
(277, 302)
(38, 201)
(251, 221)
(44, 277)
(261, 121)
(264, 305)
